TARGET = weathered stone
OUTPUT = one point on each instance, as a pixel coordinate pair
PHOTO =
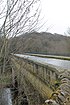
(62, 95)
(51, 102)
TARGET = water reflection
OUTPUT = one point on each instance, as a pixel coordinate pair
(61, 63)
(5, 96)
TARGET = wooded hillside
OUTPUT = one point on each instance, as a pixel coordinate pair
(41, 43)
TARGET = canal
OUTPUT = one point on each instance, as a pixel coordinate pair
(65, 64)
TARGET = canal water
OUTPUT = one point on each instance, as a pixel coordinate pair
(65, 64)
(5, 96)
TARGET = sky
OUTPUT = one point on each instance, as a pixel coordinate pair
(57, 15)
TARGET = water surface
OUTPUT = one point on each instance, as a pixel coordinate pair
(57, 62)
(5, 96)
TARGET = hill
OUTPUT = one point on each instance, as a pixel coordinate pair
(41, 43)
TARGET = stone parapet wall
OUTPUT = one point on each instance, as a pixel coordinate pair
(45, 78)
(37, 81)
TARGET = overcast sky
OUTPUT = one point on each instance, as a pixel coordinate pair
(57, 13)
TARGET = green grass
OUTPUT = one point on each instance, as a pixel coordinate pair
(51, 56)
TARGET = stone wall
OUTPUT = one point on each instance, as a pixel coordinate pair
(42, 77)
(45, 78)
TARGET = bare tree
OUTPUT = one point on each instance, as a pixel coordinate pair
(68, 31)
(21, 16)
(18, 16)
